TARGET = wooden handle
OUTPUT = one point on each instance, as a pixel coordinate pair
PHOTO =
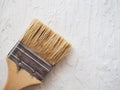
(18, 80)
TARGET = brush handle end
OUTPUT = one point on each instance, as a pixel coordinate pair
(18, 80)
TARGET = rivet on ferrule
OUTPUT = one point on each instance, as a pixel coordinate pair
(28, 60)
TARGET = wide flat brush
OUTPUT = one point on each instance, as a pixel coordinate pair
(34, 56)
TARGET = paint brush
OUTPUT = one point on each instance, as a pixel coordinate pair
(34, 56)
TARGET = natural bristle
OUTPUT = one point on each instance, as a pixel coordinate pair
(46, 43)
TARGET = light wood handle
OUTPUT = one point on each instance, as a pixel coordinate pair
(18, 80)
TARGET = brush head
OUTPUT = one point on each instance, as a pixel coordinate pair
(45, 42)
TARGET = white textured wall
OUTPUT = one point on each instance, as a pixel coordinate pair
(92, 27)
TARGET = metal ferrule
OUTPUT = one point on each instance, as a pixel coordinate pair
(28, 60)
